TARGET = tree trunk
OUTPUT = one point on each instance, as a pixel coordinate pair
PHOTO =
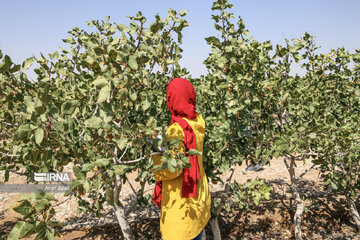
(215, 228)
(204, 235)
(120, 212)
(295, 192)
(298, 213)
(354, 212)
(124, 225)
(214, 221)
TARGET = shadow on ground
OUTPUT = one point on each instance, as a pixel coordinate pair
(326, 217)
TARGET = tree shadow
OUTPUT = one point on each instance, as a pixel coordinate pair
(326, 215)
(143, 229)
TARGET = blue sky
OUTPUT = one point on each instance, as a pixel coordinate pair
(30, 27)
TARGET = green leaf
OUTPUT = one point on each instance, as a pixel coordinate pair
(20, 230)
(86, 185)
(311, 108)
(301, 129)
(39, 107)
(103, 162)
(39, 135)
(132, 94)
(334, 186)
(6, 63)
(56, 224)
(54, 55)
(100, 82)
(46, 195)
(317, 162)
(46, 234)
(121, 142)
(94, 122)
(68, 107)
(99, 51)
(78, 173)
(174, 143)
(87, 167)
(123, 28)
(171, 168)
(22, 131)
(183, 13)
(15, 68)
(104, 94)
(27, 63)
(133, 63)
(24, 208)
(312, 135)
(30, 105)
(194, 152)
(228, 49)
(267, 44)
(119, 169)
(147, 48)
(41, 204)
(146, 103)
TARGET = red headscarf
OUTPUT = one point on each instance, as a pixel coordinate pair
(181, 101)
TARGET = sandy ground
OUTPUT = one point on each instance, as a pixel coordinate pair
(326, 217)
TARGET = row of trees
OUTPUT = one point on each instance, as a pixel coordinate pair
(97, 103)
(257, 109)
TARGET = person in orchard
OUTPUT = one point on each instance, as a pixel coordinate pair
(183, 197)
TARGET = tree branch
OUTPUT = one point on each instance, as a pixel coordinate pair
(137, 46)
(10, 155)
(133, 161)
(226, 190)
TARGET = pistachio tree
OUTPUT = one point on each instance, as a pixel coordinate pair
(317, 117)
(335, 136)
(99, 102)
(257, 109)
(238, 107)
(95, 104)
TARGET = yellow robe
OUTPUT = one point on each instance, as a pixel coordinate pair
(183, 218)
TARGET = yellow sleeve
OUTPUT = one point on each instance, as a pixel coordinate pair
(174, 131)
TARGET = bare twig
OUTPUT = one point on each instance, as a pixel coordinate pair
(96, 109)
(127, 145)
(138, 194)
(226, 190)
(131, 186)
(9, 124)
(112, 152)
(172, 27)
(116, 124)
(18, 173)
(132, 205)
(139, 38)
(82, 133)
(156, 153)
(306, 171)
(64, 200)
(12, 87)
(137, 46)
(133, 161)
(10, 155)
(311, 153)
(76, 58)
